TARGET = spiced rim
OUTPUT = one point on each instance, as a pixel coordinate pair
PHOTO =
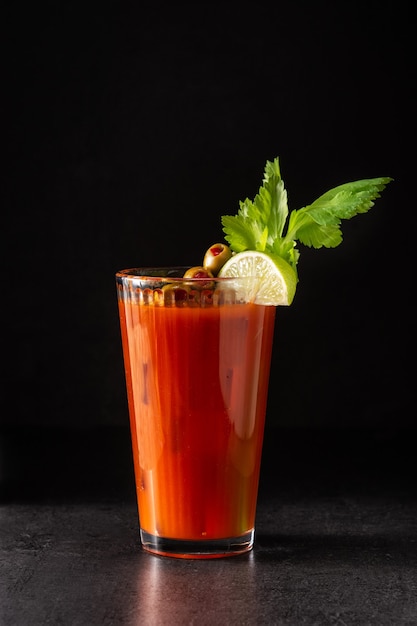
(174, 274)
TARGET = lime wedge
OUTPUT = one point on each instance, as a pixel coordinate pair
(278, 280)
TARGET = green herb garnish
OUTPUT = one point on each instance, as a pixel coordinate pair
(264, 224)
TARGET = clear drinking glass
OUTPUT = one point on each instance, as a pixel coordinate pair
(197, 357)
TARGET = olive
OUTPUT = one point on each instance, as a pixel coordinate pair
(198, 272)
(216, 256)
(175, 294)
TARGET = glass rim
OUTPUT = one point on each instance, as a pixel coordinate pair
(174, 274)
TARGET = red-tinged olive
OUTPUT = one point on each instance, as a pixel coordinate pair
(175, 294)
(198, 271)
(216, 256)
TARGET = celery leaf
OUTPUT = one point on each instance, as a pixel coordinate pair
(318, 224)
(259, 224)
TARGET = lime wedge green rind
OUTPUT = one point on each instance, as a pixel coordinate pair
(277, 279)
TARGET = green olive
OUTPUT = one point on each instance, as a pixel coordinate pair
(216, 256)
(175, 294)
(198, 271)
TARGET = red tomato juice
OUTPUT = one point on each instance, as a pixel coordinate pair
(197, 383)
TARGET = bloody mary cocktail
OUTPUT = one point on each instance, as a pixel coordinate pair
(197, 360)
(197, 345)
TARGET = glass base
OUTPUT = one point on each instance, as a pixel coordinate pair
(204, 549)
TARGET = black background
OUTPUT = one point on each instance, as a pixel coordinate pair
(131, 128)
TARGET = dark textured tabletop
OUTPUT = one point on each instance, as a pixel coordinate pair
(336, 538)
